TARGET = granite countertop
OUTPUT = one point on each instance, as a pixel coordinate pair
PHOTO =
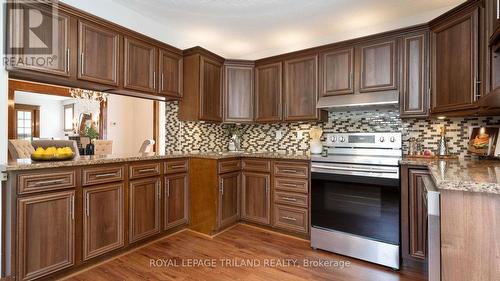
(462, 174)
(28, 164)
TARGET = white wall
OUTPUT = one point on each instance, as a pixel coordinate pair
(130, 122)
(51, 113)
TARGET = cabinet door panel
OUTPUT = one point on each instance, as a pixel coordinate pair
(415, 94)
(176, 201)
(268, 92)
(98, 54)
(102, 220)
(47, 48)
(238, 93)
(378, 67)
(455, 63)
(140, 65)
(46, 234)
(336, 72)
(256, 200)
(418, 214)
(211, 90)
(144, 208)
(170, 70)
(229, 199)
(301, 89)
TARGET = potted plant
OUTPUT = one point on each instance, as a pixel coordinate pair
(92, 134)
(234, 132)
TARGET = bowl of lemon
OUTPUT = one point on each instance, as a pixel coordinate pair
(52, 154)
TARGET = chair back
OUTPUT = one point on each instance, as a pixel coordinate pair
(147, 146)
(103, 147)
(19, 149)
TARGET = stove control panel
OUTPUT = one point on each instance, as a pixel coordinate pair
(364, 140)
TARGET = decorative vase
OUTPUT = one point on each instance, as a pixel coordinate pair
(316, 146)
(89, 149)
(231, 146)
(234, 143)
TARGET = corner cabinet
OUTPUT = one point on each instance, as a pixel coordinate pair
(98, 54)
(414, 96)
(455, 62)
(202, 90)
(45, 234)
(139, 65)
(301, 89)
(268, 92)
(238, 92)
(336, 70)
(377, 65)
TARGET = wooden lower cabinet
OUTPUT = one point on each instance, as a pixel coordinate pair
(144, 208)
(256, 197)
(46, 234)
(102, 219)
(228, 211)
(175, 208)
(291, 218)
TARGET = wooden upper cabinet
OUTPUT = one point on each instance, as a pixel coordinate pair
(98, 53)
(229, 199)
(144, 208)
(175, 206)
(377, 65)
(51, 41)
(103, 225)
(202, 87)
(414, 101)
(45, 234)
(301, 89)
(210, 90)
(170, 74)
(454, 71)
(336, 70)
(238, 93)
(139, 65)
(268, 92)
(256, 197)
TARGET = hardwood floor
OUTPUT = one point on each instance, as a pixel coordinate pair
(178, 254)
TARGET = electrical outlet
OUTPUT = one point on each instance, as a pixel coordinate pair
(300, 135)
(279, 135)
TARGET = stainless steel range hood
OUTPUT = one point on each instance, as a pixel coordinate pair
(359, 101)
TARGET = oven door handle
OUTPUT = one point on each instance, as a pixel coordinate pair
(353, 169)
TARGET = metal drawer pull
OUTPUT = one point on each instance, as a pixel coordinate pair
(87, 205)
(289, 171)
(289, 184)
(289, 218)
(289, 199)
(147, 170)
(42, 183)
(106, 175)
(177, 166)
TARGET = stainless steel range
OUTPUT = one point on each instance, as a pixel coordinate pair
(356, 197)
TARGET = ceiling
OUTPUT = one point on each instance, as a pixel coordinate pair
(253, 29)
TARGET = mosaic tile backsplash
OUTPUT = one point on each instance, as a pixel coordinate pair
(205, 137)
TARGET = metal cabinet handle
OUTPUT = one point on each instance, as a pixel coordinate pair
(168, 188)
(87, 205)
(161, 82)
(289, 218)
(289, 199)
(154, 79)
(289, 184)
(222, 187)
(81, 63)
(289, 171)
(177, 166)
(67, 59)
(146, 170)
(106, 175)
(43, 183)
(72, 208)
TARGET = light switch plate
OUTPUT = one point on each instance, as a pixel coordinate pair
(279, 135)
(300, 135)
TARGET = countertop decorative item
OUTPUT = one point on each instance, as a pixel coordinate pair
(235, 132)
(442, 146)
(316, 145)
(92, 134)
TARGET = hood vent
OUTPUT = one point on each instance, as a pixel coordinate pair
(364, 101)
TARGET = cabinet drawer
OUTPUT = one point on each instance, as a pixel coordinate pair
(176, 166)
(293, 199)
(100, 175)
(256, 165)
(295, 185)
(291, 218)
(291, 169)
(44, 181)
(144, 170)
(227, 166)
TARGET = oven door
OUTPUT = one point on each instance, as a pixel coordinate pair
(363, 206)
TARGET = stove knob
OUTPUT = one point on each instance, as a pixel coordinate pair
(382, 139)
(334, 139)
(393, 139)
(342, 139)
